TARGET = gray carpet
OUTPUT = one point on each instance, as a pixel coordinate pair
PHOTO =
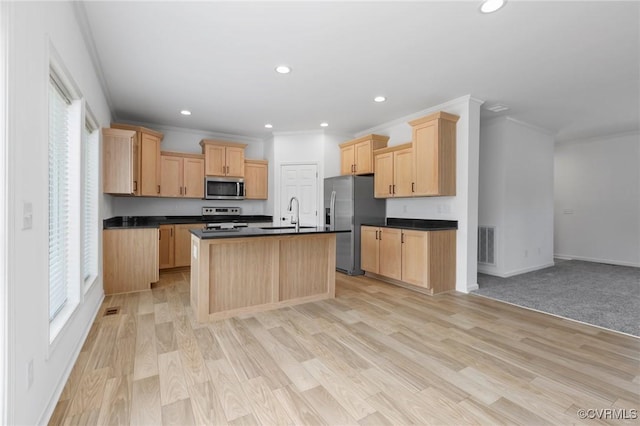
(595, 293)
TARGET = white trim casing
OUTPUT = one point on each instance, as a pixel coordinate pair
(6, 236)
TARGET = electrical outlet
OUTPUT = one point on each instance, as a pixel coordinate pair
(30, 374)
(27, 215)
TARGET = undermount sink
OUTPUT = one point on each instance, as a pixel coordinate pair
(287, 227)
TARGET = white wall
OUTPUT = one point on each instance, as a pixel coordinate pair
(188, 140)
(491, 186)
(597, 199)
(332, 153)
(516, 194)
(316, 147)
(464, 206)
(296, 148)
(34, 26)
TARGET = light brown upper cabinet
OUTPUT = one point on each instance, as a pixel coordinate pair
(256, 179)
(181, 175)
(356, 156)
(223, 158)
(434, 154)
(148, 158)
(121, 166)
(394, 171)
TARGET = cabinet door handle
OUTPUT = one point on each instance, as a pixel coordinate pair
(413, 189)
(402, 237)
(185, 190)
(171, 229)
(135, 185)
(394, 189)
(158, 189)
(380, 235)
(376, 235)
(355, 168)
(390, 189)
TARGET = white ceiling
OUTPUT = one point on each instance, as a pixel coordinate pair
(569, 67)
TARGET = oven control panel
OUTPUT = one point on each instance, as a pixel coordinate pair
(220, 211)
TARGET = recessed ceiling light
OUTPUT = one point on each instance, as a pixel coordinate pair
(185, 112)
(490, 6)
(497, 107)
(379, 99)
(268, 126)
(283, 69)
(324, 124)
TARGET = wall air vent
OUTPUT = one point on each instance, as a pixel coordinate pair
(487, 245)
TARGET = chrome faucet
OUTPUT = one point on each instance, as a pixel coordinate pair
(297, 216)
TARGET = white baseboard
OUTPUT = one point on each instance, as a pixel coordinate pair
(596, 260)
(516, 271)
(470, 288)
(51, 406)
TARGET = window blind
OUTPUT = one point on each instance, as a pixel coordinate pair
(58, 198)
(89, 203)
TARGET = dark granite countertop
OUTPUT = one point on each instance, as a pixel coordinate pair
(261, 232)
(123, 222)
(416, 224)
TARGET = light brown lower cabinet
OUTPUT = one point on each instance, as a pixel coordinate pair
(425, 259)
(175, 245)
(130, 260)
(166, 243)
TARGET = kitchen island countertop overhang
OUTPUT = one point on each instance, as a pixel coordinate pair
(249, 270)
(261, 232)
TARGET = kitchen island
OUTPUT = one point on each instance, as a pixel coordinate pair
(249, 270)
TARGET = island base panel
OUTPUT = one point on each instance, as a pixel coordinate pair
(234, 276)
(242, 274)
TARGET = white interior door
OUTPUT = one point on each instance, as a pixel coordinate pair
(301, 181)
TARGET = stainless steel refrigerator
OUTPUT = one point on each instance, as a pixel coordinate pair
(348, 203)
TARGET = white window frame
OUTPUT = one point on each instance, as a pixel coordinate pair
(90, 220)
(5, 292)
(73, 267)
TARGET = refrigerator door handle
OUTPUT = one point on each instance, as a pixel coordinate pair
(332, 210)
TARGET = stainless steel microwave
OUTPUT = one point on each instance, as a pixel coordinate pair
(222, 188)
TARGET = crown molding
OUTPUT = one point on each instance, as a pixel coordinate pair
(89, 42)
(418, 114)
(606, 137)
(199, 132)
(531, 126)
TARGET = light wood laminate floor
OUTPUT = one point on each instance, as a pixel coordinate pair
(377, 354)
